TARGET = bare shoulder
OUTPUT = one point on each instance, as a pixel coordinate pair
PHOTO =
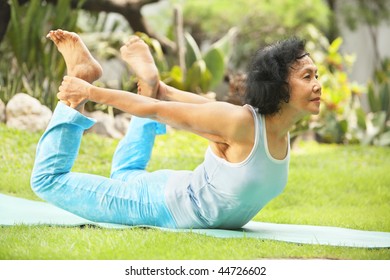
(240, 136)
(244, 116)
(219, 122)
(242, 124)
(238, 112)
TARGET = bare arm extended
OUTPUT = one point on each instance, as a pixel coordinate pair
(220, 122)
(169, 93)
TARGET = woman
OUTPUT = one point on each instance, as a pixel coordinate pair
(245, 166)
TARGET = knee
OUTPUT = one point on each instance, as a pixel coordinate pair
(38, 183)
(125, 175)
(42, 183)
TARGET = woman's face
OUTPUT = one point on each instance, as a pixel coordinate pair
(305, 89)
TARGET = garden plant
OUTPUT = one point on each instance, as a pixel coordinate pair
(340, 180)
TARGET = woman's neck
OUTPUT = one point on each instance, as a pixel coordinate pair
(280, 124)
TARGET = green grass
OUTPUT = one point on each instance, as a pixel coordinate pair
(345, 186)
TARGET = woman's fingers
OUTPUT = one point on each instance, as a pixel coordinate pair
(74, 92)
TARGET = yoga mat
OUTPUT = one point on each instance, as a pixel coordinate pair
(16, 211)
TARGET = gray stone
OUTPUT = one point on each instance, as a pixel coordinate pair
(122, 122)
(27, 113)
(105, 125)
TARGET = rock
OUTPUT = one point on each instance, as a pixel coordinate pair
(105, 125)
(122, 122)
(2, 111)
(27, 113)
(112, 69)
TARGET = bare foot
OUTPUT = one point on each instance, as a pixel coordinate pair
(137, 54)
(78, 59)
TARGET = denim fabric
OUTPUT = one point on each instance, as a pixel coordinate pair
(132, 196)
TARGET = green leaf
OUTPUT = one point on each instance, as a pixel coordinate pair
(193, 53)
(214, 60)
(197, 79)
(384, 97)
(16, 30)
(62, 12)
(361, 118)
(205, 82)
(174, 78)
(159, 55)
(32, 24)
(225, 43)
(343, 126)
(372, 99)
(335, 45)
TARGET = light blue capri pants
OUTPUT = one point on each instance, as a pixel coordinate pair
(132, 196)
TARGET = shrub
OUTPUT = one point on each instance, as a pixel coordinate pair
(34, 65)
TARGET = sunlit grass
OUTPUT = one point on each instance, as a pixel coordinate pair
(345, 186)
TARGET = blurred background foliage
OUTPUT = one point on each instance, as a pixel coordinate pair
(259, 22)
(29, 62)
(202, 71)
(219, 38)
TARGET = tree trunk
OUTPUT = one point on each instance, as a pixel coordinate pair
(5, 16)
(179, 36)
(333, 31)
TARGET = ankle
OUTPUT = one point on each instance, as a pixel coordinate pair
(162, 91)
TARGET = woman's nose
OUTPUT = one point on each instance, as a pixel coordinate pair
(317, 86)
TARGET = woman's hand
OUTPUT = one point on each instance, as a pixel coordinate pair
(74, 92)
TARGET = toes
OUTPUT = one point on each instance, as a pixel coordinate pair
(55, 36)
(48, 36)
(60, 34)
(52, 36)
(66, 35)
(74, 36)
(133, 39)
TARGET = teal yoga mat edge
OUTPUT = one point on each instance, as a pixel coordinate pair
(20, 211)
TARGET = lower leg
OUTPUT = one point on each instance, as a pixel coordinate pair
(135, 149)
(59, 145)
(138, 201)
(106, 200)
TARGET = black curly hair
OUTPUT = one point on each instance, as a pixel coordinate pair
(266, 85)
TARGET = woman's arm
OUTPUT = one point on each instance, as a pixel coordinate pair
(219, 122)
(169, 93)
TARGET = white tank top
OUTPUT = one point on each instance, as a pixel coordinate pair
(220, 194)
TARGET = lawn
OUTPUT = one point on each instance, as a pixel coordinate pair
(345, 186)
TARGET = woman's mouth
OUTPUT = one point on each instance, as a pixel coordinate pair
(317, 99)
